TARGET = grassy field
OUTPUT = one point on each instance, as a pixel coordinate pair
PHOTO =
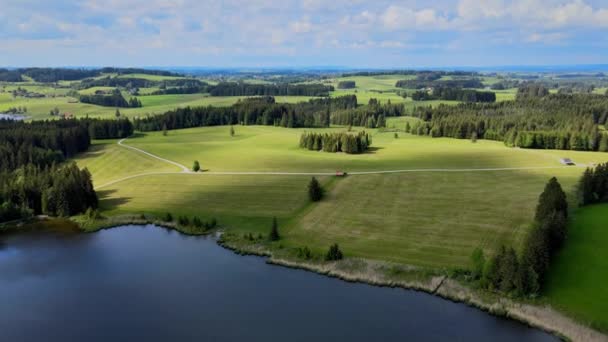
(430, 219)
(578, 278)
(38, 109)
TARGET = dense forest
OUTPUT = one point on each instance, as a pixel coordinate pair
(283, 89)
(454, 94)
(251, 111)
(33, 178)
(115, 99)
(336, 142)
(535, 120)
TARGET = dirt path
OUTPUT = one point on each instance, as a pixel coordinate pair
(186, 170)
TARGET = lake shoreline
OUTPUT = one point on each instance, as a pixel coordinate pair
(540, 317)
(356, 270)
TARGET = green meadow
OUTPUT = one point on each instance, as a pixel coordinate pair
(578, 277)
(419, 217)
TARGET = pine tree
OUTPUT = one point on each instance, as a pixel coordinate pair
(164, 129)
(274, 231)
(553, 198)
(315, 191)
(474, 137)
(117, 113)
(586, 188)
(196, 166)
(334, 253)
(231, 131)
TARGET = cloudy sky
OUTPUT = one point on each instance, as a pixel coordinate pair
(284, 33)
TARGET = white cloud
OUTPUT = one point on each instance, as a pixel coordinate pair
(400, 18)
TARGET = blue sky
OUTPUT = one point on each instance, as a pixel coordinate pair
(286, 33)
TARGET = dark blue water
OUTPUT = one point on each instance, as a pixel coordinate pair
(148, 283)
(15, 117)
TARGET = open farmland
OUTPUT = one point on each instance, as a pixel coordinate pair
(433, 214)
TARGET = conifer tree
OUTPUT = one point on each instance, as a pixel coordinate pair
(585, 188)
(196, 166)
(232, 131)
(274, 231)
(315, 191)
(334, 253)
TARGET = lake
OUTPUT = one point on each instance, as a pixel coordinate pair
(150, 283)
(14, 117)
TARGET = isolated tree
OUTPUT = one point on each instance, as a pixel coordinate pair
(315, 191)
(168, 217)
(274, 231)
(408, 128)
(165, 129)
(334, 253)
(196, 166)
(396, 135)
(231, 131)
(117, 113)
(474, 137)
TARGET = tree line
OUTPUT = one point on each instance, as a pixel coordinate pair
(43, 143)
(250, 111)
(336, 142)
(552, 121)
(371, 116)
(454, 94)
(593, 186)
(115, 99)
(432, 83)
(282, 89)
(524, 275)
(52, 75)
(134, 82)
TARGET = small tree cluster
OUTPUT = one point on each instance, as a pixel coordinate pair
(593, 186)
(196, 222)
(336, 142)
(346, 85)
(304, 253)
(334, 253)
